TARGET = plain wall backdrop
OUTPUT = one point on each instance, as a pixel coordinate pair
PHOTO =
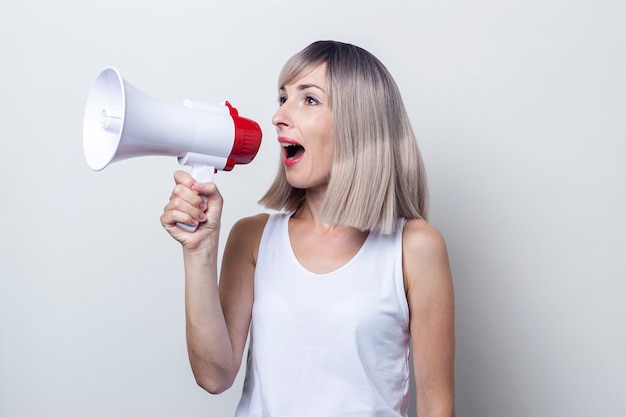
(519, 107)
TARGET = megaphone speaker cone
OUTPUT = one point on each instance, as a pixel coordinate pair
(104, 119)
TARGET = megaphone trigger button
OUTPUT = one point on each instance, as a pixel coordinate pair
(233, 111)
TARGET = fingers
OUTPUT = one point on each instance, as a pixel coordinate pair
(184, 178)
(180, 210)
(189, 189)
(213, 199)
(190, 202)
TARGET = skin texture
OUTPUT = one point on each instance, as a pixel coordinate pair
(305, 117)
(218, 316)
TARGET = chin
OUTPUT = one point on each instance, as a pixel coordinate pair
(307, 185)
(297, 184)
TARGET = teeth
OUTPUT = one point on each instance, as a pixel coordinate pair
(291, 149)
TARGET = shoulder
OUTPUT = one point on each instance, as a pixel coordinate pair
(420, 238)
(253, 224)
(424, 254)
(245, 235)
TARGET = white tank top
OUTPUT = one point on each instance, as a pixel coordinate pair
(324, 345)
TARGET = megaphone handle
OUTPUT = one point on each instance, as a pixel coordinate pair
(200, 174)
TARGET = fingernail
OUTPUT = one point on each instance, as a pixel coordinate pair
(202, 217)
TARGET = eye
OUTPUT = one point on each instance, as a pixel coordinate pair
(312, 101)
(282, 100)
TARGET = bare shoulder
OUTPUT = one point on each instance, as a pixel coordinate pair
(425, 255)
(419, 238)
(249, 228)
(245, 235)
(252, 225)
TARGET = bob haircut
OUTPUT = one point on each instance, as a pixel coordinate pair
(377, 175)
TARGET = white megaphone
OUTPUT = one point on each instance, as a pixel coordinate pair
(123, 122)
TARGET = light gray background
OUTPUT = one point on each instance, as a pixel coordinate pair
(519, 107)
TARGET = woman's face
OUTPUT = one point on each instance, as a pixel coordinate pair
(304, 124)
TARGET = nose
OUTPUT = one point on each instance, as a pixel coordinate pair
(281, 118)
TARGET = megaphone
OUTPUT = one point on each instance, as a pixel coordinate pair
(123, 122)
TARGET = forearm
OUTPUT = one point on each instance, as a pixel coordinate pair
(208, 342)
(440, 407)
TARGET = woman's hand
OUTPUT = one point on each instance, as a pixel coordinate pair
(187, 206)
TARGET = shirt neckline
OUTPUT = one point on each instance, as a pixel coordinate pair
(294, 258)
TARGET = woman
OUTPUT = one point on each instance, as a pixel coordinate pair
(335, 288)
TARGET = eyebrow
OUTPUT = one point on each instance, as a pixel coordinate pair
(302, 87)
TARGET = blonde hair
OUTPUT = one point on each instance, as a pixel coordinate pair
(378, 175)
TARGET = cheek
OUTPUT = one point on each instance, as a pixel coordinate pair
(330, 144)
(326, 135)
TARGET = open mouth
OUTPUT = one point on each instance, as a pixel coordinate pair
(293, 151)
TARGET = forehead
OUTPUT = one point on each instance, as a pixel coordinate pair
(310, 74)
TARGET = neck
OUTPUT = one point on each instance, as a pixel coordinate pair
(307, 217)
(310, 209)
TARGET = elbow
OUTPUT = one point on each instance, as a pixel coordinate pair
(213, 385)
(213, 376)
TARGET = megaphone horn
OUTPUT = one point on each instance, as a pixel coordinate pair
(123, 122)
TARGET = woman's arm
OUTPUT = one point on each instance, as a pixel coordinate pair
(430, 294)
(217, 316)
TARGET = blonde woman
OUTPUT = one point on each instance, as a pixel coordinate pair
(336, 288)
